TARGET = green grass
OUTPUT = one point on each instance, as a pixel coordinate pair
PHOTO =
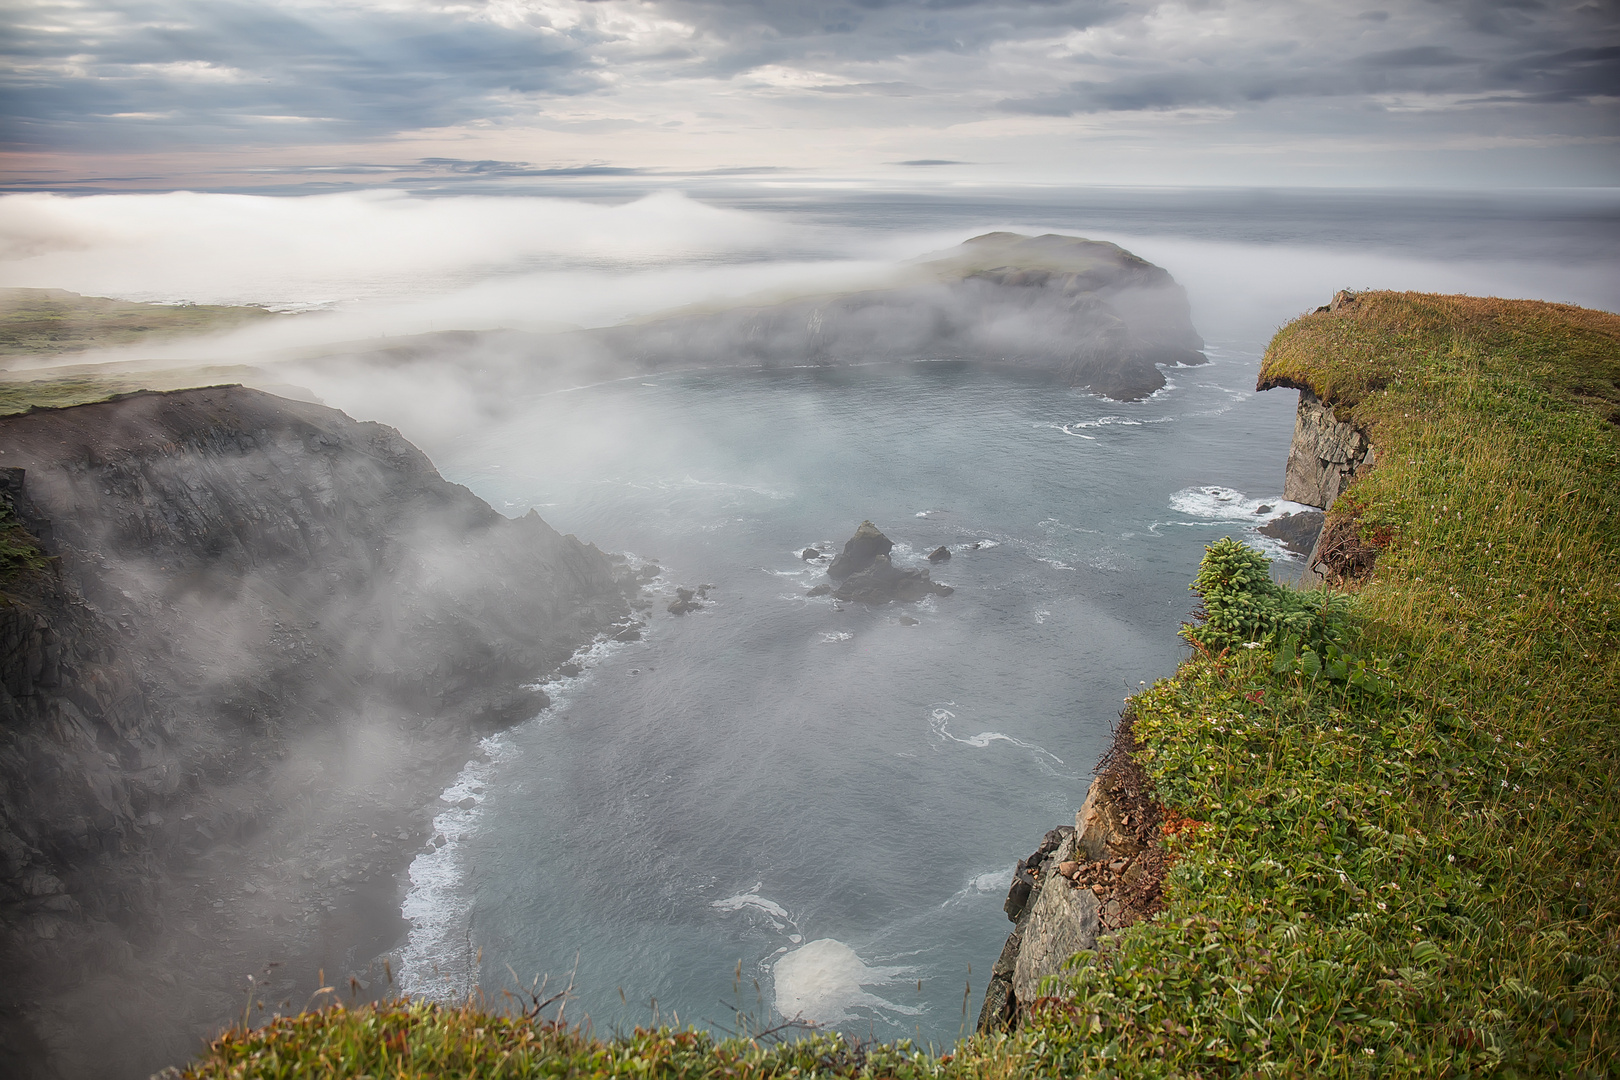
(1413, 873)
(1422, 881)
(35, 321)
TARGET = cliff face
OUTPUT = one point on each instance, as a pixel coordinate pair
(256, 609)
(1325, 456)
(1103, 874)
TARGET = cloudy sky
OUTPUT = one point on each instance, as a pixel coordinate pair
(307, 95)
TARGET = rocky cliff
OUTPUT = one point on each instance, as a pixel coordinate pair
(1096, 877)
(252, 636)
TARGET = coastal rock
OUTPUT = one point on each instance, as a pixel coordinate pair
(1297, 532)
(809, 553)
(860, 551)
(1100, 875)
(1062, 922)
(940, 554)
(1325, 455)
(882, 582)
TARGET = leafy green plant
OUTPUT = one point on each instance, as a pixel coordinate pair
(1244, 607)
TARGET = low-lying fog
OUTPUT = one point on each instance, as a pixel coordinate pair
(831, 796)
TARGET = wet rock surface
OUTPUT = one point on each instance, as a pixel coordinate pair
(864, 573)
(1297, 532)
(266, 638)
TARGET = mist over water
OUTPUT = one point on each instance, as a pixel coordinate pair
(826, 803)
(820, 792)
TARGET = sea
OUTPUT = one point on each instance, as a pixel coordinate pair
(780, 808)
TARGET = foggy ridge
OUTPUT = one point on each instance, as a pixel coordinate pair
(266, 635)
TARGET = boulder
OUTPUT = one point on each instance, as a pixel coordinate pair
(686, 600)
(860, 551)
(809, 553)
(1298, 532)
(940, 554)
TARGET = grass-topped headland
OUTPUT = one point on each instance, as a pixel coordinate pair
(1397, 826)
(49, 321)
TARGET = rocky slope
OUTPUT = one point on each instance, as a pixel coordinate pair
(264, 636)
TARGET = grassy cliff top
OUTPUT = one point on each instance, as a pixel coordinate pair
(1398, 827)
(51, 321)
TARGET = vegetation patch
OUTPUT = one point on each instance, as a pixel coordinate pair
(1392, 814)
(35, 321)
(1413, 871)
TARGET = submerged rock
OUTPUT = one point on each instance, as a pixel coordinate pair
(689, 600)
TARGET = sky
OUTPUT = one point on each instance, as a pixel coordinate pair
(305, 96)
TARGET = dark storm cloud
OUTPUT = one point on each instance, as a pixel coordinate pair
(152, 74)
(1512, 72)
(165, 74)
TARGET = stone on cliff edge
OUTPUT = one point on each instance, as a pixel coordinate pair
(860, 551)
(1062, 923)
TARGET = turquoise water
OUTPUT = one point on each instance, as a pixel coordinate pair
(797, 807)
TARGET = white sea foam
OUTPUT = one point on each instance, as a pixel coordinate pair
(837, 638)
(994, 881)
(822, 981)
(1214, 503)
(1116, 421)
(939, 719)
(439, 960)
(752, 899)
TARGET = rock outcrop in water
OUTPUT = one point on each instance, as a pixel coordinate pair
(860, 551)
(1083, 312)
(864, 573)
(264, 637)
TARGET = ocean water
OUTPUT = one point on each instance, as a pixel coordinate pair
(824, 799)
(784, 807)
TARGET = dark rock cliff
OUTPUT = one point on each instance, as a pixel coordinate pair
(263, 627)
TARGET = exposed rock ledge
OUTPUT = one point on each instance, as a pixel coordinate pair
(267, 637)
(1097, 877)
(1325, 456)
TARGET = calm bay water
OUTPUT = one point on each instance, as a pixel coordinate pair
(821, 793)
